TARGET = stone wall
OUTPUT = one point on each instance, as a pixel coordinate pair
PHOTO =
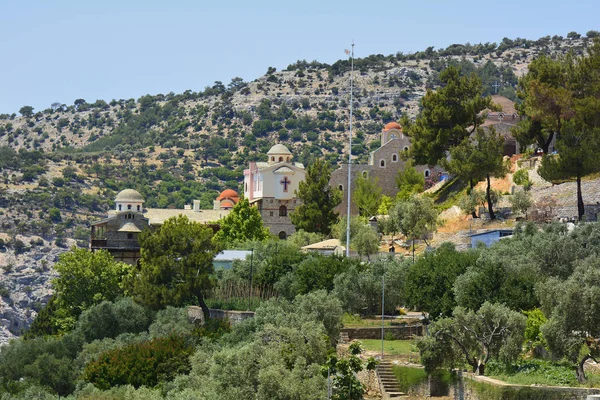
(196, 315)
(269, 210)
(466, 386)
(397, 332)
(477, 388)
(234, 317)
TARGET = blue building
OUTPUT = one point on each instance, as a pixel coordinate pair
(490, 237)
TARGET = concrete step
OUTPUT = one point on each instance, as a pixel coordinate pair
(393, 395)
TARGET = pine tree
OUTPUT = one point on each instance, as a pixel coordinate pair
(478, 158)
(176, 265)
(449, 116)
(316, 213)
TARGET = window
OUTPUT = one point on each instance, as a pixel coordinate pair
(288, 159)
(119, 207)
(282, 235)
(394, 157)
(365, 175)
(427, 173)
(283, 211)
(129, 206)
(130, 236)
(280, 159)
(405, 148)
(272, 158)
(382, 163)
(270, 213)
(245, 186)
(138, 207)
(341, 187)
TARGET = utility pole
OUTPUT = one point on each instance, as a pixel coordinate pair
(382, 311)
(350, 152)
(250, 290)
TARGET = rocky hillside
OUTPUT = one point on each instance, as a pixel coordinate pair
(61, 167)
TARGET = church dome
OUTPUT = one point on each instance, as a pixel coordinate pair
(279, 149)
(129, 195)
(392, 125)
(228, 193)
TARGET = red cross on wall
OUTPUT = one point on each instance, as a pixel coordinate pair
(285, 182)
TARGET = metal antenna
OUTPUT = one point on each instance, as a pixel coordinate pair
(350, 152)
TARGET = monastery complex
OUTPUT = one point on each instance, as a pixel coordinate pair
(271, 186)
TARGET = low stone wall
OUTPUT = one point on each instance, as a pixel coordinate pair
(476, 388)
(466, 386)
(395, 332)
(234, 317)
(196, 315)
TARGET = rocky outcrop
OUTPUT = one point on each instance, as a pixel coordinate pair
(25, 284)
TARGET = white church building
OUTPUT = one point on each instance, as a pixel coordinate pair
(271, 186)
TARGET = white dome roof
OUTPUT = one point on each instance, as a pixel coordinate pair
(279, 149)
(129, 195)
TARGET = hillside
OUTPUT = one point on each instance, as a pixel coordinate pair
(61, 167)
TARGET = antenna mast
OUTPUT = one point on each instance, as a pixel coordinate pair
(350, 152)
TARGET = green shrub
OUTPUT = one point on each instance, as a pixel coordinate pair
(141, 364)
(521, 177)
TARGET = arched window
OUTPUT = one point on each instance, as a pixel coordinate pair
(129, 206)
(405, 148)
(272, 158)
(394, 157)
(427, 173)
(280, 159)
(365, 175)
(382, 163)
(341, 187)
(288, 159)
(283, 211)
(138, 207)
(282, 235)
(119, 207)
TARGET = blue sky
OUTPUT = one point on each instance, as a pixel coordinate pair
(64, 50)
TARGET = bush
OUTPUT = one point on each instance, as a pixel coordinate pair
(112, 319)
(141, 364)
(521, 177)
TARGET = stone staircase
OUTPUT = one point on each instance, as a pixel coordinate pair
(388, 382)
(344, 338)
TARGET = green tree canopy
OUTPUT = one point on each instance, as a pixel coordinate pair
(430, 280)
(409, 181)
(492, 332)
(85, 278)
(26, 111)
(363, 238)
(367, 196)
(448, 117)
(243, 224)
(176, 265)
(316, 213)
(546, 101)
(578, 126)
(416, 218)
(572, 330)
(477, 158)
